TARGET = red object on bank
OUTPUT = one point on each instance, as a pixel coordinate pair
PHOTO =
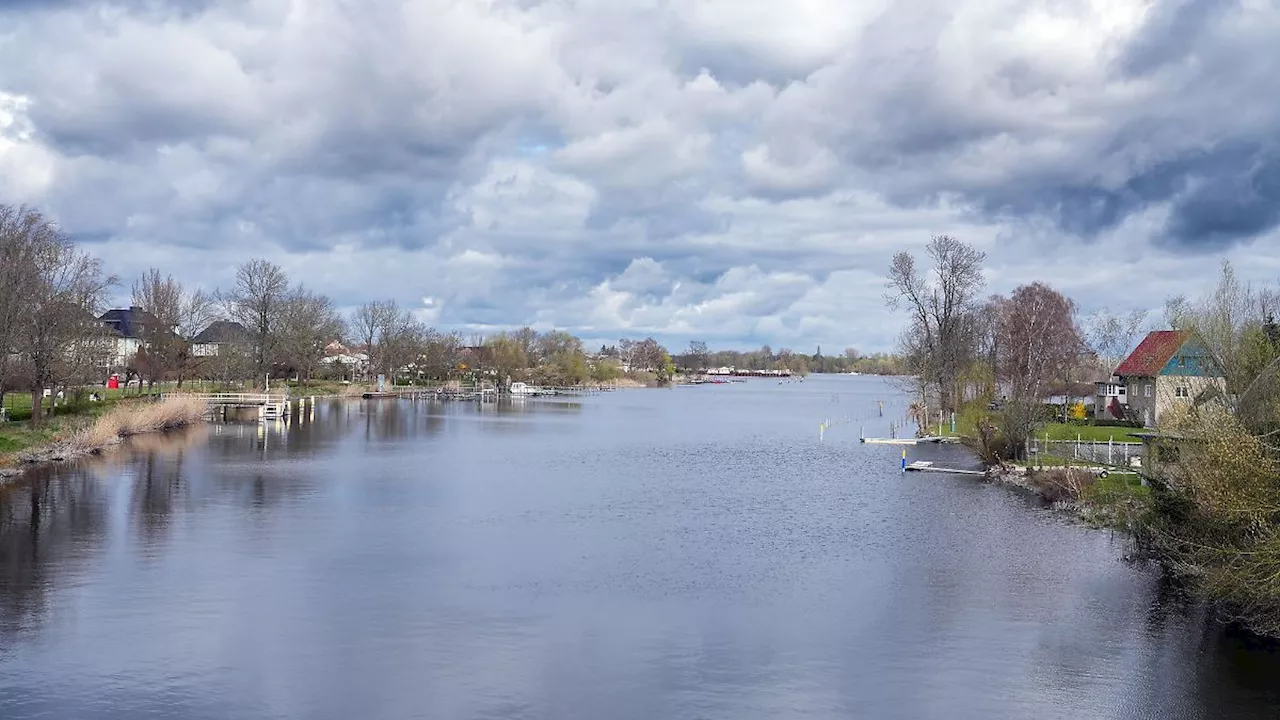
(113, 383)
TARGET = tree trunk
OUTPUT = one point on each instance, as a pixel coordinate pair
(37, 407)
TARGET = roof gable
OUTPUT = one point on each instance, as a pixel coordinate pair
(128, 322)
(223, 332)
(1153, 353)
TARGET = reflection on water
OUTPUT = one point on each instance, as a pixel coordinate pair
(691, 553)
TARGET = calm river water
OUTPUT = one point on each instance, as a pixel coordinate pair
(686, 553)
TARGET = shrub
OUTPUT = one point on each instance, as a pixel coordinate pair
(1062, 484)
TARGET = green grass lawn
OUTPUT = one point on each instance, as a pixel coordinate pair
(18, 435)
(1087, 433)
(1116, 487)
(18, 405)
(1057, 431)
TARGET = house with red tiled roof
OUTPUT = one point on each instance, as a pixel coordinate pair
(1169, 368)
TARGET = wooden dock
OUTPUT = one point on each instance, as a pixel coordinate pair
(487, 394)
(933, 439)
(269, 406)
(926, 466)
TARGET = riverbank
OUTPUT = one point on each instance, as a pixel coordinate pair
(72, 440)
(1114, 501)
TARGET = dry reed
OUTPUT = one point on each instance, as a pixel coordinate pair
(138, 418)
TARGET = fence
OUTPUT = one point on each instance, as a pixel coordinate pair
(1102, 452)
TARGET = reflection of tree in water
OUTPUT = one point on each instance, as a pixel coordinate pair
(1238, 674)
(394, 420)
(49, 521)
(158, 481)
(1194, 667)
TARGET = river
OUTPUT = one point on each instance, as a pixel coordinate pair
(685, 553)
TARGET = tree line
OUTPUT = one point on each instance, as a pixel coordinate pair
(698, 358)
(52, 293)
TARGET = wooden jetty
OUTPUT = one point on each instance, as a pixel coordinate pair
(932, 439)
(926, 466)
(269, 406)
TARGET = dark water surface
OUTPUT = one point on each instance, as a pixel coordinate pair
(687, 553)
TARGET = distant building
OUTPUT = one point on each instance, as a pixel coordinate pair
(1169, 368)
(127, 327)
(335, 353)
(220, 334)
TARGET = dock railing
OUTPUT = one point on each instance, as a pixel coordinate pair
(231, 399)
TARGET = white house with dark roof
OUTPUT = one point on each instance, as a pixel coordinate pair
(126, 326)
(220, 334)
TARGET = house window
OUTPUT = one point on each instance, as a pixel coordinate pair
(1182, 392)
(1147, 390)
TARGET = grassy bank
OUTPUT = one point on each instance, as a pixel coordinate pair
(90, 433)
(1116, 501)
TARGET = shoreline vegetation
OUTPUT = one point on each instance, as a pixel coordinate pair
(82, 429)
(1203, 503)
(108, 430)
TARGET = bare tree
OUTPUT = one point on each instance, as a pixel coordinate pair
(649, 354)
(526, 338)
(173, 317)
(440, 354)
(369, 322)
(1111, 336)
(256, 302)
(627, 353)
(1178, 312)
(401, 340)
(308, 322)
(404, 344)
(938, 343)
(63, 290)
(17, 269)
(698, 356)
(1234, 321)
(1038, 342)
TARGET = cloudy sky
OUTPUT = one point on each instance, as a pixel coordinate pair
(737, 171)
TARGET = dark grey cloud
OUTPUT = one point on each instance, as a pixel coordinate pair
(1171, 31)
(1200, 142)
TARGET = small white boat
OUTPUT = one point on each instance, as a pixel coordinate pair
(522, 389)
